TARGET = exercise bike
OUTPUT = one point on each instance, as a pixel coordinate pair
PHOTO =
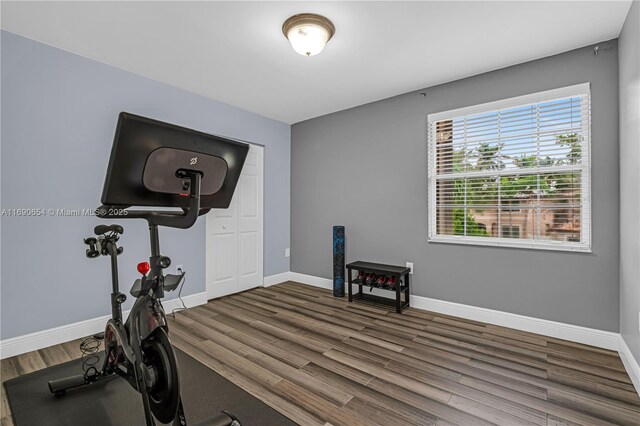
(154, 163)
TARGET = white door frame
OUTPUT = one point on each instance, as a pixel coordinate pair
(209, 227)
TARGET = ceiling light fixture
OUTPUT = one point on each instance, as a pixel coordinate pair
(308, 32)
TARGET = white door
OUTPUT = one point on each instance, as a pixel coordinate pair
(235, 235)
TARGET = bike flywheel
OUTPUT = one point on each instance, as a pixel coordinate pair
(163, 386)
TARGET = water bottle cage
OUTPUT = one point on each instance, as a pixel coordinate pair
(168, 282)
(142, 286)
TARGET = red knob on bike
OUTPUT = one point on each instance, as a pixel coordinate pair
(144, 267)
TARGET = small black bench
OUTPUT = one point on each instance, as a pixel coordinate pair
(399, 272)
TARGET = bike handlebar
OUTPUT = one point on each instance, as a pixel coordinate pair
(183, 220)
(92, 251)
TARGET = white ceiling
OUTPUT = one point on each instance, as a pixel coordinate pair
(235, 51)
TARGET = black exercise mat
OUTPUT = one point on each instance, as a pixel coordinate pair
(113, 402)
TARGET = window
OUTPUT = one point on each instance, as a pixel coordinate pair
(513, 173)
(509, 231)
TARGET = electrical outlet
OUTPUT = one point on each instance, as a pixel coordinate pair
(179, 269)
(287, 252)
(410, 266)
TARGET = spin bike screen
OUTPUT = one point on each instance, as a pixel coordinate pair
(148, 155)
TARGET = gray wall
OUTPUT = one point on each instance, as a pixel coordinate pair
(59, 113)
(366, 168)
(629, 48)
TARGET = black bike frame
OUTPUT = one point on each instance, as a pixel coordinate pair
(116, 304)
(147, 313)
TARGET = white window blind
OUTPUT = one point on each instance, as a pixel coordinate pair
(513, 173)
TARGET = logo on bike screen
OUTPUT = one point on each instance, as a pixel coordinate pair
(193, 161)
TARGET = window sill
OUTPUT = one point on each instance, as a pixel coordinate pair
(523, 244)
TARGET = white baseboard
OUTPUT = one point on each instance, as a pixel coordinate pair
(190, 301)
(575, 333)
(311, 280)
(630, 364)
(300, 278)
(53, 336)
(276, 279)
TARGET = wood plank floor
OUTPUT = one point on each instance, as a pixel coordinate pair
(323, 361)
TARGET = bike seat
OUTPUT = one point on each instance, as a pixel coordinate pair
(103, 229)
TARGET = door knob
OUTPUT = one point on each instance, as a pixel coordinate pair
(224, 226)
